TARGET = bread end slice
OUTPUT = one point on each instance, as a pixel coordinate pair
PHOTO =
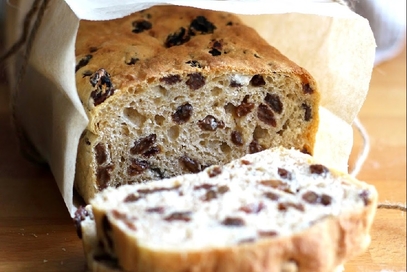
(267, 211)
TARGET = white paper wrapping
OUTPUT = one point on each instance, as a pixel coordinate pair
(333, 43)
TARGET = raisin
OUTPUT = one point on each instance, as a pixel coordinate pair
(245, 162)
(283, 173)
(177, 38)
(235, 84)
(190, 164)
(307, 113)
(209, 195)
(179, 216)
(325, 200)
(202, 25)
(131, 198)
(118, 215)
(144, 144)
(214, 171)
(305, 151)
(100, 153)
(194, 63)
(155, 190)
(274, 102)
(101, 77)
(132, 61)
(155, 210)
(230, 23)
(253, 208)
(99, 97)
(306, 88)
(215, 52)
(104, 87)
(223, 189)
(171, 79)
(272, 196)
(257, 81)
(266, 115)
(237, 138)
(233, 221)
(152, 151)
(276, 184)
(255, 147)
(130, 225)
(217, 45)
(80, 215)
(205, 186)
(267, 233)
(365, 196)
(210, 123)
(244, 108)
(313, 198)
(182, 114)
(137, 166)
(103, 175)
(159, 189)
(318, 169)
(195, 81)
(141, 25)
(273, 183)
(285, 205)
(310, 197)
(83, 62)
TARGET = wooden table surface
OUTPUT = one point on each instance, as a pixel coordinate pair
(37, 233)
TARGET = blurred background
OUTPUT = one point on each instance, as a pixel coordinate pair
(388, 22)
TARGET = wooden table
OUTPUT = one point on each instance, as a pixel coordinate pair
(37, 233)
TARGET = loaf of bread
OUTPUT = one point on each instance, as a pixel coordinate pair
(276, 210)
(172, 90)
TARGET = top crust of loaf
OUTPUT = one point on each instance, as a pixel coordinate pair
(143, 57)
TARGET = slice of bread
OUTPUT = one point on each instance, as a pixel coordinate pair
(276, 210)
(171, 90)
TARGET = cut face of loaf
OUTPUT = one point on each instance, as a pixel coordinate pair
(259, 213)
(98, 260)
(172, 90)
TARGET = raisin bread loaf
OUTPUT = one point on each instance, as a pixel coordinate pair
(276, 210)
(171, 90)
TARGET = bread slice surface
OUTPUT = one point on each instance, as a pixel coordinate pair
(264, 212)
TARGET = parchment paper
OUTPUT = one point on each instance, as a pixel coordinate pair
(333, 43)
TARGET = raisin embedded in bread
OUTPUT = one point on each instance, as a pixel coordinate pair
(264, 212)
(172, 90)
